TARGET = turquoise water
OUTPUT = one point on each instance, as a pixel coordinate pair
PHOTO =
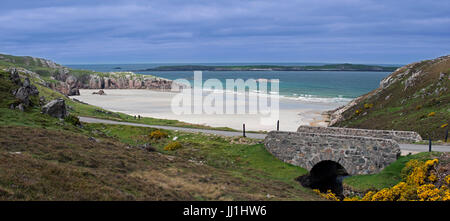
(322, 86)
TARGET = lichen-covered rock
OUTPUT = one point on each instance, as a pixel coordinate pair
(24, 92)
(14, 77)
(55, 108)
(20, 107)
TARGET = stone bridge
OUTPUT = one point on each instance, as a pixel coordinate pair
(357, 154)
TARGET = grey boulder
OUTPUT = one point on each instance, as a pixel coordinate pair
(55, 108)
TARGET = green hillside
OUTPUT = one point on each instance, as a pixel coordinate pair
(415, 97)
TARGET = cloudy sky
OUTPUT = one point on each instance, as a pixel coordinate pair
(357, 31)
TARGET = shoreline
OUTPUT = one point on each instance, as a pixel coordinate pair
(157, 104)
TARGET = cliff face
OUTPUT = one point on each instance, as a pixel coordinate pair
(70, 85)
(68, 81)
(415, 97)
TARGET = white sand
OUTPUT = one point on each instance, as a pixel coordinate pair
(158, 105)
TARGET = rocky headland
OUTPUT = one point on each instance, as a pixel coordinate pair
(414, 97)
(69, 81)
(69, 84)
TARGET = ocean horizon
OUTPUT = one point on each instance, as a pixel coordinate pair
(305, 86)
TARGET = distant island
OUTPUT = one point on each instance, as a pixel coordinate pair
(327, 67)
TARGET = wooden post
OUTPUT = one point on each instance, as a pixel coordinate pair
(243, 130)
(429, 145)
(278, 125)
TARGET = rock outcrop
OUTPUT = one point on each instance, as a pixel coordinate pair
(56, 108)
(24, 92)
(70, 85)
(15, 77)
(68, 81)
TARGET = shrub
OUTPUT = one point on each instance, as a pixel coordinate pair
(419, 185)
(428, 192)
(157, 134)
(328, 195)
(72, 119)
(368, 106)
(418, 107)
(172, 146)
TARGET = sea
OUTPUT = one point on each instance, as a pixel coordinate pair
(307, 86)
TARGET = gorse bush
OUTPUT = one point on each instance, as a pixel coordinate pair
(420, 183)
(328, 195)
(173, 146)
(157, 134)
(368, 106)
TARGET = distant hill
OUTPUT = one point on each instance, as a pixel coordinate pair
(415, 97)
(327, 67)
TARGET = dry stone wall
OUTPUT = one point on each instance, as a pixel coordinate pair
(399, 136)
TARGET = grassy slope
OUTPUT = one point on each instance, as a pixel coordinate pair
(408, 109)
(46, 164)
(44, 158)
(255, 168)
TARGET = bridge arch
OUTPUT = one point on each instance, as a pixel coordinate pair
(327, 175)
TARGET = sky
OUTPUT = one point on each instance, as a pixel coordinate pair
(199, 31)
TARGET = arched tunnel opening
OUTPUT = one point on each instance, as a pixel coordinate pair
(325, 175)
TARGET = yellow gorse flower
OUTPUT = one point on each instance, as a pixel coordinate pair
(368, 106)
(428, 192)
(328, 195)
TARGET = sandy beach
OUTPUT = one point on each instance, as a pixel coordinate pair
(157, 104)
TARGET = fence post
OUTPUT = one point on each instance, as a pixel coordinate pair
(243, 130)
(278, 125)
(429, 145)
(446, 134)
